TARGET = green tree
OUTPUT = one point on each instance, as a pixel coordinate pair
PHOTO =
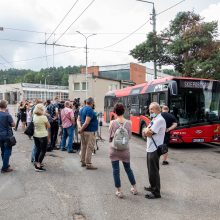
(29, 78)
(189, 44)
(54, 76)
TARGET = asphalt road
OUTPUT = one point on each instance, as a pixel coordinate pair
(190, 186)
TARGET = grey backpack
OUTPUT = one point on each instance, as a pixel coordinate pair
(121, 137)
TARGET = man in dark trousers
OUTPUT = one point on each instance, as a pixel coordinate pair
(156, 130)
(171, 124)
(52, 111)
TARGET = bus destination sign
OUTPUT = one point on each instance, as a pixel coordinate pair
(195, 84)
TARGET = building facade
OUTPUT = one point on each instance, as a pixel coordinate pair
(131, 72)
(97, 88)
(14, 93)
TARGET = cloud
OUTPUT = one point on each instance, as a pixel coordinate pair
(212, 13)
(111, 20)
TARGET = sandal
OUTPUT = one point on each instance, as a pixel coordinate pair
(134, 191)
(119, 194)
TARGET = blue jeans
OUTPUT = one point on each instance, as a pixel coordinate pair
(68, 132)
(116, 173)
(5, 153)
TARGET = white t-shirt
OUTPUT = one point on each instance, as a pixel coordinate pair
(158, 126)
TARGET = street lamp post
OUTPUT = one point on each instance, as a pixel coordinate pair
(46, 87)
(45, 95)
(86, 38)
(154, 31)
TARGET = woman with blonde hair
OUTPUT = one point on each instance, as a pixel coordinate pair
(41, 125)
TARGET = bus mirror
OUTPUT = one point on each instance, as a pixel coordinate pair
(173, 88)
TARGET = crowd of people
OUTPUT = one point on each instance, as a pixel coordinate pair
(72, 119)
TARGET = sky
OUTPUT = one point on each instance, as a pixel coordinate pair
(27, 24)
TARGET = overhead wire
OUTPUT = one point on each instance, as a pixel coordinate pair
(62, 20)
(75, 20)
(23, 30)
(20, 41)
(76, 48)
(124, 38)
(6, 61)
(111, 45)
(40, 57)
(43, 32)
(170, 7)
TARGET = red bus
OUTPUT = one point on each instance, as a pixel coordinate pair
(194, 102)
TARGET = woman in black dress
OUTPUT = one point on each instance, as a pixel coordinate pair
(23, 109)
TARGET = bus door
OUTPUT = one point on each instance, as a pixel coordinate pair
(134, 101)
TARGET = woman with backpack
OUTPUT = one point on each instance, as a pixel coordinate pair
(119, 135)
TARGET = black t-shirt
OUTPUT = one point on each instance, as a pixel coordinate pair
(169, 118)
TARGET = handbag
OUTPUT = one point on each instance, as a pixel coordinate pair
(12, 141)
(161, 149)
(30, 129)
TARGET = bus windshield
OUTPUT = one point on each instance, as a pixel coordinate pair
(196, 105)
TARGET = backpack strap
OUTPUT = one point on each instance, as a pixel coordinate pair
(120, 125)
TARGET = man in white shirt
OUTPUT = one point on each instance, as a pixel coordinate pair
(155, 129)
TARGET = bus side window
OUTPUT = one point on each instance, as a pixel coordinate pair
(154, 97)
(162, 99)
(144, 103)
(134, 105)
(125, 101)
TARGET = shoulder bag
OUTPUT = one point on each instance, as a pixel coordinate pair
(30, 129)
(11, 139)
(161, 149)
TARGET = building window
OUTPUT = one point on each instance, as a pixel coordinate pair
(76, 86)
(84, 86)
(112, 87)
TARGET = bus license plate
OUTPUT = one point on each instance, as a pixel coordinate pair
(198, 140)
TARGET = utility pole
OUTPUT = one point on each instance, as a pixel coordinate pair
(86, 38)
(155, 34)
